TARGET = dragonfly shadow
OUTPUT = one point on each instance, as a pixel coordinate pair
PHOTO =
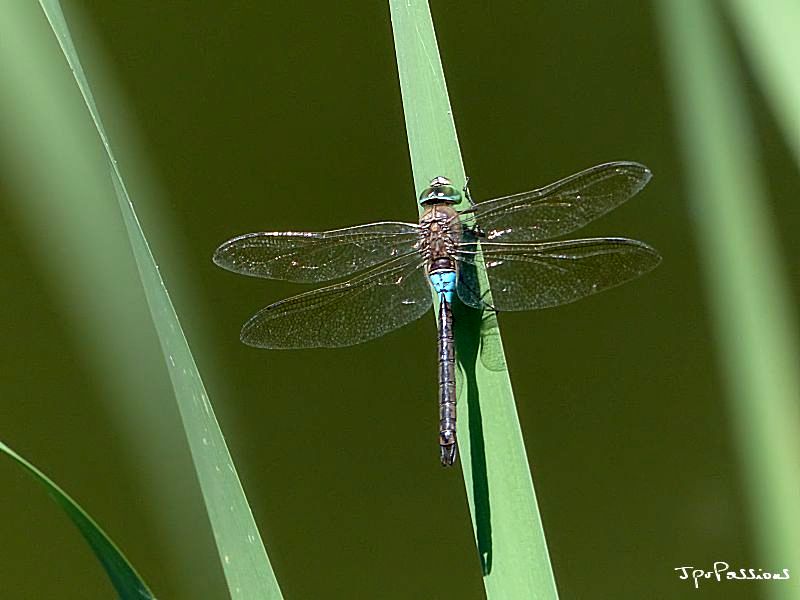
(467, 323)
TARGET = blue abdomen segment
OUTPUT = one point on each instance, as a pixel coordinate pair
(444, 283)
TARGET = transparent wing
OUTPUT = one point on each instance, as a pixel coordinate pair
(531, 276)
(560, 207)
(312, 257)
(347, 313)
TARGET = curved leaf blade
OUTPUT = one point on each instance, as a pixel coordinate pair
(128, 583)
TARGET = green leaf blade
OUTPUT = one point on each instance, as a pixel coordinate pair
(749, 297)
(507, 525)
(124, 578)
(769, 33)
(241, 550)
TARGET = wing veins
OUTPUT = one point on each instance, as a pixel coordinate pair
(313, 257)
(561, 207)
(344, 313)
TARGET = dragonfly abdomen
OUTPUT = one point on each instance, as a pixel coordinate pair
(447, 383)
(443, 281)
(442, 275)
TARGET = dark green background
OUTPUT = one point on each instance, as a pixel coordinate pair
(279, 116)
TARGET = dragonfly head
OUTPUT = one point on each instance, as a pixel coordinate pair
(440, 191)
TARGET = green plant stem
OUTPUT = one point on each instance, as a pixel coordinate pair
(72, 230)
(769, 33)
(505, 516)
(750, 300)
(244, 560)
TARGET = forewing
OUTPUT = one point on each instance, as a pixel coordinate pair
(531, 276)
(560, 207)
(312, 257)
(346, 313)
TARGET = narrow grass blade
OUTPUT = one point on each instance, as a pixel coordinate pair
(769, 33)
(124, 578)
(244, 559)
(505, 515)
(755, 322)
(60, 204)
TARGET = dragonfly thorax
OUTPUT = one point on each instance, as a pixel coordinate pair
(441, 231)
(440, 191)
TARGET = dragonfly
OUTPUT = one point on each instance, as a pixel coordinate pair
(390, 272)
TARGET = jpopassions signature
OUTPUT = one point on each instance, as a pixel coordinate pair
(721, 570)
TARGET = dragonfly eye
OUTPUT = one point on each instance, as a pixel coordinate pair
(440, 191)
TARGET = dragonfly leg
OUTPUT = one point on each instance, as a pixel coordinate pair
(474, 230)
(467, 195)
(488, 305)
(475, 297)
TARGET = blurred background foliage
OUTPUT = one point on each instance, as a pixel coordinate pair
(241, 116)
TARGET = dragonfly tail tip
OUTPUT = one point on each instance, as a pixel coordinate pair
(448, 454)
